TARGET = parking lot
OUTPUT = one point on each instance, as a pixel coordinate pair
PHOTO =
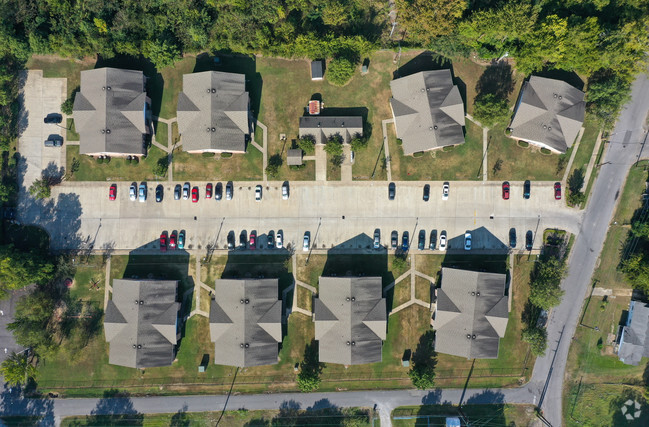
(338, 216)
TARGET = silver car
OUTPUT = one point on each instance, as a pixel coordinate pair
(142, 193)
(278, 240)
(306, 242)
(132, 192)
(186, 191)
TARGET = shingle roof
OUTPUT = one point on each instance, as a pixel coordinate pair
(294, 157)
(213, 112)
(470, 304)
(550, 113)
(323, 127)
(350, 320)
(428, 111)
(150, 325)
(246, 322)
(317, 70)
(109, 111)
(634, 344)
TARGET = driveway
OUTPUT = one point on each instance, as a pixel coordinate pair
(40, 96)
(340, 217)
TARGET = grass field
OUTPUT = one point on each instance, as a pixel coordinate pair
(162, 133)
(487, 415)
(586, 145)
(239, 167)
(601, 404)
(117, 170)
(71, 132)
(54, 66)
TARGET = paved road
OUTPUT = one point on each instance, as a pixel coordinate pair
(340, 215)
(623, 151)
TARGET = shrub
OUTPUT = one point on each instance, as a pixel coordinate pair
(340, 71)
(226, 155)
(68, 104)
(523, 144)
(358, 142)
(40, 188)
(99, 159)
(334, 146)
(545, 151)
(537, 338)
(207, 154)
(161, 166)
(307, 144)
(274, 163)
(399, 141)
(418, 154)
(106, 159)
(490, 109)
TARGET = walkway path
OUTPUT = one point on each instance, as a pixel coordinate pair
(169, 149)
(346, 167)
(485, 146)
(264, 149)
(198, 285)
(320, 163)
(386, 149)
(108, 289)
(572, 157)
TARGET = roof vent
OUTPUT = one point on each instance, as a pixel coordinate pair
(348, 343)
(427, 89)
(435, 127)
(209, 130)
(134, 346)
(473, 336)
(107, 130)
(137, 302)
(423, 90)
(545, 127)
(241, 301)
(209, 90)
(318, 124)
(247, 301)
(107, 87)
(240, 345)
(430, 128)
(247, 345)
(353, 342)
(353, 299)
(103, 88)
(549, 127)
(213, 90)
(555, 95)
(347, 299)
(103, 131)
(139, 346)
(141, 302)
(213, 129)
(468, 336)
(473, 294)
(477, 294)
(560, 97)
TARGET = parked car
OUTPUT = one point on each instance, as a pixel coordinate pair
(195, 195)
(442, 240)
(181, 239)
(426, 192)
(163, 242)
(53, 118)
(132, 192)
(253, 241)
(243, 239)
(285, 190)
(229, 189)
(112, 192)
(186, 191)
(172, 241)
(258, 193)
(158, 193)
(218, 191)
(433, 240)
(271, 240)
(405, 244)
(445, 190)
(54, 141)
(529, 240)
(392, 189)
(467, 241)
(526, 189)
(557, 190)
(506, 190)
(279, 241)
(231, 240)
(142, 193)
(307, 241)
(512, 237)
(208, 191)
(422, 240)
(377, 239)
(177, 192)
(394, 239)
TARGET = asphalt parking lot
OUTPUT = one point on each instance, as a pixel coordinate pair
(338, 216)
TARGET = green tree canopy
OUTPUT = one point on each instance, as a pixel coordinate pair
(490, 109)
(18, 369)
(40, 189)
(537, 338)
(340, 71)
(19, 269)
(546, 289)
(424, 20)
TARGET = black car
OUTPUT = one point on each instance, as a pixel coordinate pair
(529, 238)
(391, 191)
(243, 239)
(422, 240)
(218, 191)
(526, 189)
(53, 118)
(54, 141)
(229, 187)
(426, 192)
(231, 240)
(271, 239)
(394, 239)
(159, 193)
(404, 241)
(512, 237)
(177, 192)
(433, 240)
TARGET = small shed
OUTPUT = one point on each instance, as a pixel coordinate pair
(317, 69)
(294, 157)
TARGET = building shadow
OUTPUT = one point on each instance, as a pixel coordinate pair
(481, 240)
(349, 111)
(569, 77)
(233, 63)
(425, 61)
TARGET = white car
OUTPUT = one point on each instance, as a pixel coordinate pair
(467, 241)
(132, 192)
(278, 240)
(142, 193)
(186, 191)
(442, 241)
(307, 240)
(285, 191)
(445, 190)
(258, 193)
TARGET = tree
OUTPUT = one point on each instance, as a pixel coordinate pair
(607, 93)
(340, 71)
(40, 188)
(537, 338)
(358, 142)
(68, 104)
(424, 20)
(162, 166)
(424, 360)
(546, 289)
(274, 163)
(575, 184)
(489, 109)
(308, 379)
(334, 146)
(32, 326)
(6, 191)
(18, 369)
(636, 271)
(19, 269)
(307, 144)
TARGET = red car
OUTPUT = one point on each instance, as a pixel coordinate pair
(506, 190)
(112, 192)
(208, 191)
(194, 194)
(253, 241)
(163, 242)
(172, 241)
(557, 190)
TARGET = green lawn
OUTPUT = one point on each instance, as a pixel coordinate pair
(601, 404)
(521, 163)
(463, 162)
(586, 145)
(173, 82)
(333, 171)
(631, 198)
(491, 415)
(54, 66)
(162, 133)
(117, 170)
(239, 167)
(71, 132)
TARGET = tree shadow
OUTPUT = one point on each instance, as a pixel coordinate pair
(115, 408)
(497, 80)
(425, 61)
(629, 409)
(569, 77)
(14, 403)
(486, 397)
(180, 418)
